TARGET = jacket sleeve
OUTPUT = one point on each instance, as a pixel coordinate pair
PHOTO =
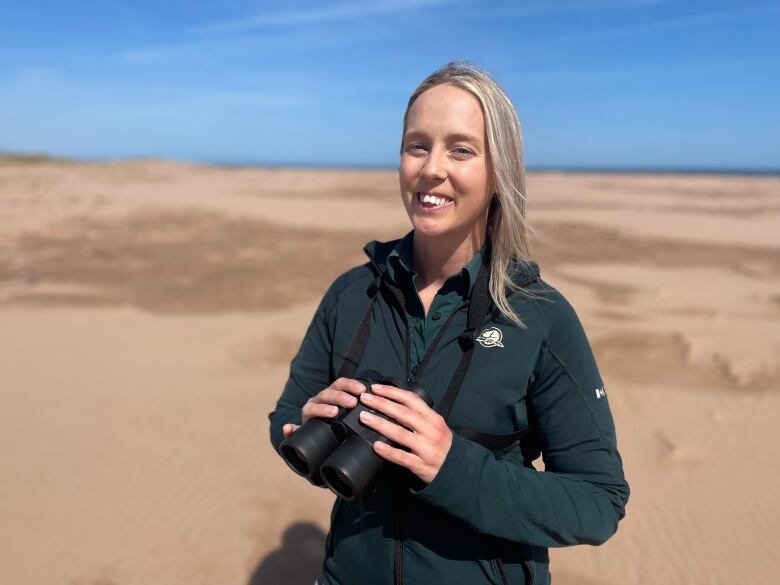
(582, 494)
(310, 369)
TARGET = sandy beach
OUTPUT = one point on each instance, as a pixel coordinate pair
(149, 310)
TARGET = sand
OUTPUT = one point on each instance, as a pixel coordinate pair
(149, 310)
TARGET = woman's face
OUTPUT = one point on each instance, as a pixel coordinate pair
(444, 164)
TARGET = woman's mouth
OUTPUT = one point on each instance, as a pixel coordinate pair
(433, 201)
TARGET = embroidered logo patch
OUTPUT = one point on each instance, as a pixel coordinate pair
(601, 392)
(491, 337)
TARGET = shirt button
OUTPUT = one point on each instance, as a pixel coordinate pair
(436, 316)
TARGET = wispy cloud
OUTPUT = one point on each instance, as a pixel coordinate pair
(217, 37)
(318, 15)
(366, 9)
(228, 46)
(546, 8)
(656, 26)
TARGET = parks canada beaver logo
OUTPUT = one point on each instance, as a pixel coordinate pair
(491, 337)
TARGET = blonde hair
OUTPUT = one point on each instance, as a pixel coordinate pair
(507, 224)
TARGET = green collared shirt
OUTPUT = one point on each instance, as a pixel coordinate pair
(453, 293)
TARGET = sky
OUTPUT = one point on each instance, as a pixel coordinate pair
(642, 84)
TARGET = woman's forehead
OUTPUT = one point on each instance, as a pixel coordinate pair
(447, 109)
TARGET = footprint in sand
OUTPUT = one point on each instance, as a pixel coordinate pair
(671, 452)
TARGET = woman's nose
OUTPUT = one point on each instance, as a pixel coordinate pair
(435, 167)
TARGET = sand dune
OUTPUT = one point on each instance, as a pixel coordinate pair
(149, 310)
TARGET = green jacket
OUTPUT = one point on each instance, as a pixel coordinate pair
(488, 517)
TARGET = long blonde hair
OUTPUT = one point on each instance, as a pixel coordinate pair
(507, 225)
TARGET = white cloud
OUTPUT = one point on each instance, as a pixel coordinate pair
(542, 8)
(318, 15)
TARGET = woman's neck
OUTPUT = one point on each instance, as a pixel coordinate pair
(436, 259)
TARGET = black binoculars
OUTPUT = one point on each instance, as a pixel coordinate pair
(339, 451)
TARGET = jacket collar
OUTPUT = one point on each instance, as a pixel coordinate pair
(378, 253)
(524, 273)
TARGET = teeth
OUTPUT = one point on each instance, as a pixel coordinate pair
(433, 200)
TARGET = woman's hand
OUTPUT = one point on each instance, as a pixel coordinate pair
(420, 429)
(342, 393)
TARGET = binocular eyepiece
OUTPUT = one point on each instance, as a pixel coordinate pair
(339, 452)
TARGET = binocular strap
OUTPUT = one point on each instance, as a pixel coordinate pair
(478, 306)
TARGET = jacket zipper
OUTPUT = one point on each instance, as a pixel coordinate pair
(398, 555)
(398, 560)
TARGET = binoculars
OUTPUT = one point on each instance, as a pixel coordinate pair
(339, 451)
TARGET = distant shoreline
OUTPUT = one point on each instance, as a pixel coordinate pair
(34, 158)
(530, 169)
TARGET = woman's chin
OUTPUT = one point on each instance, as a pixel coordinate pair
(429, 227)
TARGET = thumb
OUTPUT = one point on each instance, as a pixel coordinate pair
(289, 429)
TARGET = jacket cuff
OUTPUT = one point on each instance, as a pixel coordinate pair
(450, 469)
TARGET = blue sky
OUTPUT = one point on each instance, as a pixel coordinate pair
(634, 84)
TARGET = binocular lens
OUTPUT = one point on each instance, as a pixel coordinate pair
(295, 460)
(338, 482)
(309, 446)
(351, 467)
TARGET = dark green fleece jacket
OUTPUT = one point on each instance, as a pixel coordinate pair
(489, 516)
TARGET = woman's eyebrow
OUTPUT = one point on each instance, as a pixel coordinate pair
(461, 136)
(454, 137)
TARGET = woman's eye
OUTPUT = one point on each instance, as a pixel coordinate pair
(463, 152)
(415, 147)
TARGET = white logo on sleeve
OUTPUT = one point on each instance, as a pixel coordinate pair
(491, 337)
(600, 392)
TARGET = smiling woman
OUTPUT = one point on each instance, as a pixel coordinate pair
(444, 170)
(500, 368)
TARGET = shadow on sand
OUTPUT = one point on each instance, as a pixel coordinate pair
(298, 561)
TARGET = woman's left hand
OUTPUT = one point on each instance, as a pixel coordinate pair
(420, 429)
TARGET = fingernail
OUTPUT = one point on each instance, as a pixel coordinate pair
(351, 401)
(368, 396)
(333, 409)
(366, 416)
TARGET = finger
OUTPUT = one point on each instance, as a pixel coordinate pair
(406, 397)
(337, 397)
(401, 413)
(392, 431)
(398, 456)
(313, 409)
(289, 429)
(350, 385)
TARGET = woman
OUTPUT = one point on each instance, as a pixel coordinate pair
(457, 307)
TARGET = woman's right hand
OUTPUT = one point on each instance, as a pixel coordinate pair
(341, 393)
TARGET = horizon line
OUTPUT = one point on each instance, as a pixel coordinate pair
(33, 157)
